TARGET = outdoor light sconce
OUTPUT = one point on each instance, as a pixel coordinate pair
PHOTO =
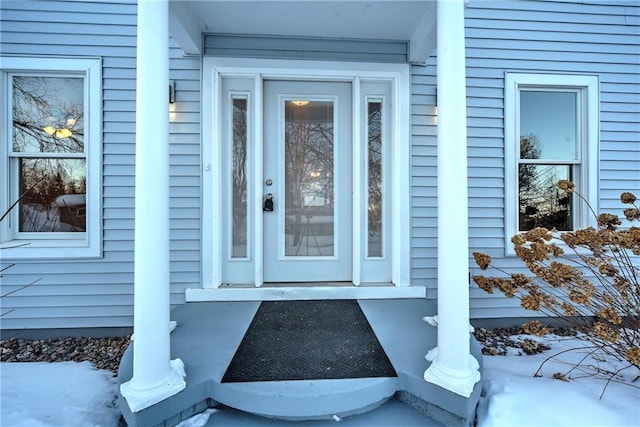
(434, 119)
(172, 91)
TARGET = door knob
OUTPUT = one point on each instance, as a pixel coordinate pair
(268, 203)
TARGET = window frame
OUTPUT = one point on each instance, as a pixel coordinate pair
(585, 170)
(17, 245)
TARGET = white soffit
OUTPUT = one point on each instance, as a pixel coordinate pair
(412, 21)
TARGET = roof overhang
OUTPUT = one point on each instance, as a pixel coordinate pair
(410, 21)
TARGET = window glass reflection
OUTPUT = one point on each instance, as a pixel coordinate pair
(239, 179)
(309, 184)
(374, 179)
(54, 195)
(548, 121)
(47, 149)
(542, 203)
(48, 114)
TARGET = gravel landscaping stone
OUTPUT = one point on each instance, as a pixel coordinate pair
(498, 342)
(105, 353)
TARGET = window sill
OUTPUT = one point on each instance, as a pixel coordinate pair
(31, 250)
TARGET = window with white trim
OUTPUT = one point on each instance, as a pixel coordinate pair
(51, 157)
(551, 134)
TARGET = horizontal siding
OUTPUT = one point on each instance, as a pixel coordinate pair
(596, 38)
(591, 37)
(99, 293)
(423, 176)
(546, 36)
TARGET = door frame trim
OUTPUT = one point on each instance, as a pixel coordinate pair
(214, 69)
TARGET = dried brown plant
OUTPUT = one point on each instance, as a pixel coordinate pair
(586, 278)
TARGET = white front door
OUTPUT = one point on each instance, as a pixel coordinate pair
(329, 159)
(307, 181)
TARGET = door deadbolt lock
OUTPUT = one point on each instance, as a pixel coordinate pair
(268, 203)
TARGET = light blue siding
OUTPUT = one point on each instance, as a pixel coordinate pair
(583, 37)
(99, 293)
(600, 39)
(424, 176)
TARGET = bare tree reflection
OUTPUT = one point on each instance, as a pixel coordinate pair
(542, 204)
(309, 169)
(239, 178)
(374, 179)
(48, 103)
(48, 127)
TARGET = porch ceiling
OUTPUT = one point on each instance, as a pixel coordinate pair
(412, 21)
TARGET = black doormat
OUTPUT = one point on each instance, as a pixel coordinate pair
(304, 340)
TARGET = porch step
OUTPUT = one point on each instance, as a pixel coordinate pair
(209, 333)
(307, 399)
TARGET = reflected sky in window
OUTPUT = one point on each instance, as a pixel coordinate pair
(550, 117)
(48, 114)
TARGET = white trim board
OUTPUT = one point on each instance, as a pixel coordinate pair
(305, 293)
(259, 70)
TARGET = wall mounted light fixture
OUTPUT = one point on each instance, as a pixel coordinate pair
(172, 91)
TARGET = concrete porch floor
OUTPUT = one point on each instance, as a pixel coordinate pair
(208, 334)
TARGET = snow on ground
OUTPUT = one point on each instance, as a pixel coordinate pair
(64, 394)
(76, 394)
(513, 397)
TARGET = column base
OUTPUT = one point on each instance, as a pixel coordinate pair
(458, 381)
(139, 399)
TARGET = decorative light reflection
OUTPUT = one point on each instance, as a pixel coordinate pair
(59, 133)
(63, 133)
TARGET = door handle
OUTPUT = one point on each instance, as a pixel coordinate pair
(268, 203)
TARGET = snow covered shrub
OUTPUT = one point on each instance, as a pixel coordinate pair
(590, 281)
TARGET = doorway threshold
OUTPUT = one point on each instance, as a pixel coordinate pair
(305, 291)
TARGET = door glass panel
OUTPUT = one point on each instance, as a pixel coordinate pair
(374, 179)
(239, 178)
(309, 184)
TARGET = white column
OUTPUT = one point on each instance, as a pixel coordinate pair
(453, 367)
(155, 376)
